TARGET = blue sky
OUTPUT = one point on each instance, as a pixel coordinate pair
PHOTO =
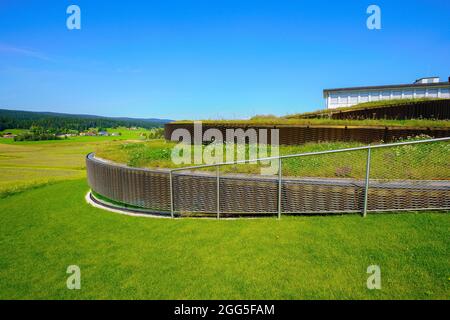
(213, 58)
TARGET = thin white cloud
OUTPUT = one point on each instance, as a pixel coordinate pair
(23, 51)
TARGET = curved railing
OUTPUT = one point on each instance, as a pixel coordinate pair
(187, 192)
(134, 187)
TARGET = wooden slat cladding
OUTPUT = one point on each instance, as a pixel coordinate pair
(294, 135)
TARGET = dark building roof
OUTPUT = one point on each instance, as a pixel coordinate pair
(394, 86)
(434, 77)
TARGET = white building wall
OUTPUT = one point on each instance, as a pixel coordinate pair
(350, 98)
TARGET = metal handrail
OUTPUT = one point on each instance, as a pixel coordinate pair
(309, 154)
(279, 158)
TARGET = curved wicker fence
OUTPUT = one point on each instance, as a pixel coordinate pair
(191, 192)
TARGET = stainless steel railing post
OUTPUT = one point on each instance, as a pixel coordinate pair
(279, 187)
(218, 191)
(171, 194)
(366, 187)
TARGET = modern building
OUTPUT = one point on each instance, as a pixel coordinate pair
(430, 87)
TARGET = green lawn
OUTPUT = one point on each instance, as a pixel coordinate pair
(42, 231)
(48, 226)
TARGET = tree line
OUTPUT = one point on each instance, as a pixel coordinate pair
(60, 123)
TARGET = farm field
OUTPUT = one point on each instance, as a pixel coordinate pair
(125, 134)
(28, 164)
(48, 226)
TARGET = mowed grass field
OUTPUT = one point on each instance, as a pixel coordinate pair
(45, 229)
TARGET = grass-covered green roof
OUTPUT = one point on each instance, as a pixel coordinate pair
(322, 118)
(362, 106)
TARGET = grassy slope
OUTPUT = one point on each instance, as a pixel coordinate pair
(297, 257)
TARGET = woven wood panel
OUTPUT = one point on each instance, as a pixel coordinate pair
(249, 194)
(295, 135)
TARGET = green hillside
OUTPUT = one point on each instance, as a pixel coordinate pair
(12, 119)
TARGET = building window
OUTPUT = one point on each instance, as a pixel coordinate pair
(353, 98)
(445, 93)
(396, 94)
(374, 96)
(364, 97)
(334, 98)
(386, 95)
(343, 99)
(408, 94)
(433, 93)
(420, 93)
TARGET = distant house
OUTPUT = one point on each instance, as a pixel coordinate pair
(115, 134)
(65, 135)
(430, 87)
(9, 135)
(89, 134)
(103, 133)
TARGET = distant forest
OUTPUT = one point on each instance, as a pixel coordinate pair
(61, 123)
